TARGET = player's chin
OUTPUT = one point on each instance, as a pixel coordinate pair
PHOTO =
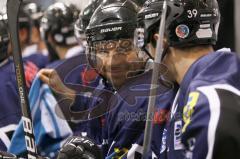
(116, 75)
(117, 81)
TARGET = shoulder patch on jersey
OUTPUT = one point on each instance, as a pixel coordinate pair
(189, 109)
(178, 135)
(164, 141)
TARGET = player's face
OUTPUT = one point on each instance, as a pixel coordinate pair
(117, 60)
(170, 60)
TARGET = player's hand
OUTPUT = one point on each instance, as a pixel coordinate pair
(78, 147)
(51, 78)
(7, 155)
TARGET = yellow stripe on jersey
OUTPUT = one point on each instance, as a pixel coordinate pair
(189, 109)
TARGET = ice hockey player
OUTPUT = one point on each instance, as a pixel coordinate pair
(120, 109)
(57, 30)
(26, 28)
(43, 100)
(36, 44)
(10, 107)
(204, 117)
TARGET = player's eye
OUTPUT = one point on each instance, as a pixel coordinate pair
(110, 45)
(125, 44)
(121, 50)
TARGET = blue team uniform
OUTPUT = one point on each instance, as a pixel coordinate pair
(203, 122)
(125, 122)
(10, 107)
(116, 118)
(51, 129)
(38, 59)
(105, 121)
(33, 63)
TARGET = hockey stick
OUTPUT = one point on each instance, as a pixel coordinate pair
(12, 12)
(154, 83)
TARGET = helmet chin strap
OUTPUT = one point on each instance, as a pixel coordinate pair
(165, 50)
(148, 53)
(145, 51)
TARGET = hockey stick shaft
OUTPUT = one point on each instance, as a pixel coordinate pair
(154, 83)
(13, 7)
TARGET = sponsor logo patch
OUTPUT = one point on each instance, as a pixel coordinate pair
(177, 135)
(182, 31)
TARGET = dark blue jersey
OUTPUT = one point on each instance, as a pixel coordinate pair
(116, 119)
(125, 122)
(204, 118)
(38, 59)
(32, 64)
(9, 105)
(44, 102)
(131, 98)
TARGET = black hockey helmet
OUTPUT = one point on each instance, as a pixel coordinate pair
(192, 22)
(4, 37)
(29, 16)
(84, 18)
(24, 18)
(76, 11)
(35, 13)
(148, 22)
(113, 20)
(24, 21)
(58, 22)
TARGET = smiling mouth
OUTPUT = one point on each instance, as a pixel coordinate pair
(116, 72)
